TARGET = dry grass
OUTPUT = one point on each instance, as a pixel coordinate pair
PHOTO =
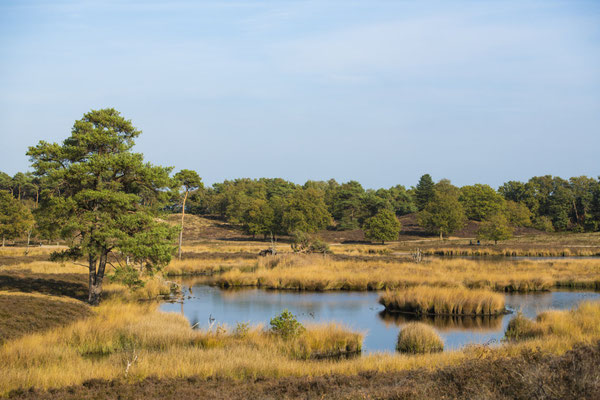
(582, 322)
(154, 288)
(485, 251)
(48, 268)
(164, 345)
(207, 266)
(216, 246)
(26, 313)
(32, 251)
(315, 272)
(443, 301)
(419, 338)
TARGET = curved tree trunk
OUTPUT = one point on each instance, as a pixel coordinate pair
(181, 231)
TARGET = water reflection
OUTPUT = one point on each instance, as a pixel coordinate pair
(446, 323)
(359, 311)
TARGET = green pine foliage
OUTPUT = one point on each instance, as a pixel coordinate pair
(107, 197)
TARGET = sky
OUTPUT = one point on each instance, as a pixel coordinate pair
(378, 91)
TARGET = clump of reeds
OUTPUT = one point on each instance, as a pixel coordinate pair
(153, 288)
(419, 338)
(582, 322)
(324, 341)
(443, 301)
(521, 327)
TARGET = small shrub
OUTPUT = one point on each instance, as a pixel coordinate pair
(520, 328)
(241, 329)
(286, 325)
(305, 243)
(419, 338)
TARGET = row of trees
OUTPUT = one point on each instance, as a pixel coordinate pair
(266, 207)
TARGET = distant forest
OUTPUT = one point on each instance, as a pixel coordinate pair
(264, 207)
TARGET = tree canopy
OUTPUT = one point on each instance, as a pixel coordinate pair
(444, 214)
(106, 198)
(495, 228)
(15, 218)
(382, 227)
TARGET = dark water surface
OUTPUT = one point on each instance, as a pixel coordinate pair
(358, 311)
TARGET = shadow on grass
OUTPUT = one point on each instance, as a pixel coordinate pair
(70, 285)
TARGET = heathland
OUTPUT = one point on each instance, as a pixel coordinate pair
(83, 315)
(127, 343)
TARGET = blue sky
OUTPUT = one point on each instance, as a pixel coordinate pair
(376, 91)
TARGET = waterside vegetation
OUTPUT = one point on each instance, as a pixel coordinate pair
(428, 300)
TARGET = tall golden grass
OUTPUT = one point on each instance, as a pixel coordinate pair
(580, 323)
(315, 272)
(443, 301)
(199, 266)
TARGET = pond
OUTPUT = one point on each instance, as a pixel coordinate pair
(359, 311)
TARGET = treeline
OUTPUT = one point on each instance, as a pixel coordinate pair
(265, 207)
(275, 206)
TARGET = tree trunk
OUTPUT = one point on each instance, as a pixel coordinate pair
(441, 237)
(92, 280)
(3, 241)
(96, 277)
(28, 241)
(182, 217)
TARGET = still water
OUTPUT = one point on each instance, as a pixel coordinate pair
(358, 311)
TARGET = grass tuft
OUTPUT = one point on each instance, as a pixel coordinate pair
(419, 338)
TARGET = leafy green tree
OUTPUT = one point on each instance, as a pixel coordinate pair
(15, 218)
(372, 203)
(6, 182)
(258, 218)
(348, 206)
(187, 180)
(582, 189)
(444, 214)
(543, 223)
(480, 201)
(424, 192)
(108, 196)
(384, 226)
(20, 182)
(594, 220)
(517, 214)
(401, 200)
(495, 228)
(560, 203)
(305, 211)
